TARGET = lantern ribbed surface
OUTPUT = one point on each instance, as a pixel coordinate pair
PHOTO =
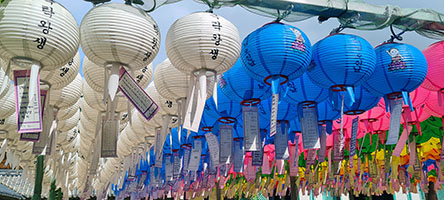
(119, 33)
(68, 95)
(7, 103)
(68, 112)
(60, 78)
(225, 107)
(166, 106)
(419, 96)
(363, 101)
(89, 112)
(3, 80)
(303, 89)
(95, 99)
(21, 34)
(341, 59)
(434, 54)
(95, 75)
(170, 82)
(87, 124)
(286, 110)
(196, 41)
(66, 125)
(276, 49)
(238, 86)
(326, 112)
(9, 123)
(432, 106)
(399, 67)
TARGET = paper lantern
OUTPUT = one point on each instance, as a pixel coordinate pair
(341, 62)
(226, 110)
(400, 69)
(95, 75)
(274, 54)
(363, 101)
(202, 45)
(167, 107)
(60, 78)
(66, 125)
(435, 59)
(7, 103)
(4, 85)
(9, 123)
(68, 112)
(432, 106)
(68, 95)
(95, 99)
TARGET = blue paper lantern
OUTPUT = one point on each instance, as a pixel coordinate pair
(226, 110)
(239, 87)
(287, 112)
(326, 115)
(400, 69)
(303, 90)
(363, 101)
(342, 62)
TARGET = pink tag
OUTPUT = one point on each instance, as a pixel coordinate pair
(401, 142)
(280, 165)
(266, 165)
(293, 164)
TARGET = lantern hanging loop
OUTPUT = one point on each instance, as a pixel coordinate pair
(394, 35)
(210, 5)
(285, 13)
(337, 30)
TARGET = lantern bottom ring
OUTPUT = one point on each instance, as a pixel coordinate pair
(227, 120)
(25, 62)
(354, 112)
(238, 138)
(269, 77)
(308, 104)
(339, 88)
(394, 96)
(322, 122)
(369, 120)
(250, 102)
(441, 90)
(207, 129)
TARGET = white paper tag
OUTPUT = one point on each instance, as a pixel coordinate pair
(159, 147)
(29, 114)
(213, 147)
(251, 129)
(110, 130)
(257, 157)
(226, 143)
(238, 163)
(274, 113)
(354, 134)
(176, 165)
(196, 103)
(95, 155)
(395, 121)
(323, 139)
(186, 160)
(35, 136)
(281, 141)
(193, 165)
(309, 126)
(168, 168)
(136, 95)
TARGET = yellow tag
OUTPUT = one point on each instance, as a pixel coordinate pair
(394, 166)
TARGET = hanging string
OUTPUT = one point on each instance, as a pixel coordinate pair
(394, 35)
(325, 18)
(285, 13)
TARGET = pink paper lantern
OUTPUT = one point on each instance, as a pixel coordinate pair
(433, 108)
(434, 80)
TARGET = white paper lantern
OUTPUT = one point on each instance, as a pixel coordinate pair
(68, 112)
(118, 33)
(7, 103)
(68, 95)
(88, 112)
(94, 75)
(4, 82)
(95, 99)
(170, 82)
(166, 106)
(9, 123)
(60, 78)
(66, 125)
(41, 30)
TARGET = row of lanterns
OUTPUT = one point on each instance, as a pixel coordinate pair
(212, 85)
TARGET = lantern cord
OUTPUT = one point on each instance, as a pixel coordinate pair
(394, 35)
(153, 8)
(325, 18)
(285, 13)
(338, 29)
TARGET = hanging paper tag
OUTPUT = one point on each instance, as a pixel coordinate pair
(213, 146)
(372, 167)
(338, 147)
(176, 165)
(95, 155)
(35, 136)
(274, 113)
(39, 146)
(257, 158)
(238, 163)
(395, 120)
(196, 101)
(159, 147)
(212, 167)
(281, 141)
(193, 165)
(402, 140)
(309, 126)
(168, 168)
(265, 164)
(354, 134)
(186, 160)
(252, 137)
(294, 160)
(323, 139)
(311, 157)
(136, 95)
(226, 143)
(50, 145)
(29, 114)
(110, 130)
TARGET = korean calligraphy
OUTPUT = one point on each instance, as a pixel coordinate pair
(215, 36)
(45, 24)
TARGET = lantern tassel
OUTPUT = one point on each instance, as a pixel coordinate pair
(113, 82)
(275, 83)
(439, 93)
(351, 94)
(407, 100)
(33, 82)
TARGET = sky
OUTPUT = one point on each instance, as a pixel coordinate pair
(247, 22)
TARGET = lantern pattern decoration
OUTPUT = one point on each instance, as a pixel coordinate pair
(37, 35)
(341, 62)
(274, 54)
(434, 55)
(400, 69)
(201, 45)
(238, 86)
(133, 44)
(305, 95)
(60, 78)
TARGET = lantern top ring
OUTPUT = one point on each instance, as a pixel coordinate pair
(269, 77)
(227, 120)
